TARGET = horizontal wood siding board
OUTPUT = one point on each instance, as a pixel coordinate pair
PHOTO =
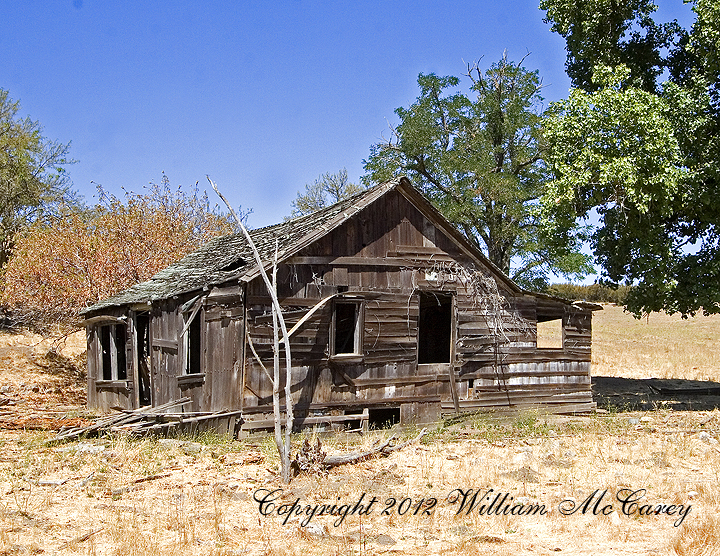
(164, 344)
(492, 374)
(347, 405)
(559, 408)
(500, 400)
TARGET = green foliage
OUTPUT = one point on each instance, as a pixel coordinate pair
(703, 45)
(480, 160)
(33, 182)
(611, 33)
(596, 293)
(324, 191)
(645, 158)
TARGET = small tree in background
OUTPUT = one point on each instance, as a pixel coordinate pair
(324, 191)
(479, 158)
(83, 257)
(33, 182)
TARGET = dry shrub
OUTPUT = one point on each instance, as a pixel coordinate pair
(58, 269)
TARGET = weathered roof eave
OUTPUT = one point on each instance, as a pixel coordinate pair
(169, 283)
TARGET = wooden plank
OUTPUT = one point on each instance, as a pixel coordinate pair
(453, 388)
(163, 343)
(389, 381)
(301, 421)
(559, 408)
(418, 249)
(355, 403)
(362, 261)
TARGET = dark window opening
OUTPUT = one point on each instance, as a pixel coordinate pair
(434, 328)
(346, 328)
(194, 347)
(383, 418)
(106, 347)
(112, 347)
(142, 329)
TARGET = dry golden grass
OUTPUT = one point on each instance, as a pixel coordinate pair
(659, 346)
(91, 497)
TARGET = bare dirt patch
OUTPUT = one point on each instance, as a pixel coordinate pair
(42, 381)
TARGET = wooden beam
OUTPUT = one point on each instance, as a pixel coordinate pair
(453, 388)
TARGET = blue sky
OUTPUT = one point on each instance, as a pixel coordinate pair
(263, 96)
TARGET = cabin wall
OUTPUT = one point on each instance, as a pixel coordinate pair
(385, 262)
(216, 384)
(384, 258)
(103, 393)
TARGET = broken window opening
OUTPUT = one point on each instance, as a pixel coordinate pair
(142, 331)
(347, 328)
(435, 328)
(112, 346)
(549, 334)
(194, 347)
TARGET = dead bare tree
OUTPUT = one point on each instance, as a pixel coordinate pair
(283, 445)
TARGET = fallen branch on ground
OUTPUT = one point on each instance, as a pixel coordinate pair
(80, 539)
(313, 459)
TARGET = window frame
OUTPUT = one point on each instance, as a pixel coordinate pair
(558, 323)
(193, 319)
(110, 363)
(358, 333)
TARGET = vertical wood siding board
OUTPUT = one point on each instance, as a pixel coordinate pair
(351, 234)
(215, 341)
(379, 223)
(93, 350)
(228, 364)
(156, 355)
(239, 357)
(354, 277)
(428, 233)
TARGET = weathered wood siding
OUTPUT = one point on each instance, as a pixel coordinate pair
(386, 255)
(104, 394)
(165, 351)
(382, 258)
(223, 336)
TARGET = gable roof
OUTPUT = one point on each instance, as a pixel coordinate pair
(230, 257)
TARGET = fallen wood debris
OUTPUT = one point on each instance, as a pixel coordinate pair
(81, 538)
(157, 421)
(128, 488)
(313, 459)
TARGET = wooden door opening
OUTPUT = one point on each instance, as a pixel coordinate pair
(435, 328)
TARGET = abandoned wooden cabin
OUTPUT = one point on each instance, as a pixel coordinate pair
(410, 321)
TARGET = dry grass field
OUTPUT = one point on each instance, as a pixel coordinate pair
(659, 346)
(118, 496)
